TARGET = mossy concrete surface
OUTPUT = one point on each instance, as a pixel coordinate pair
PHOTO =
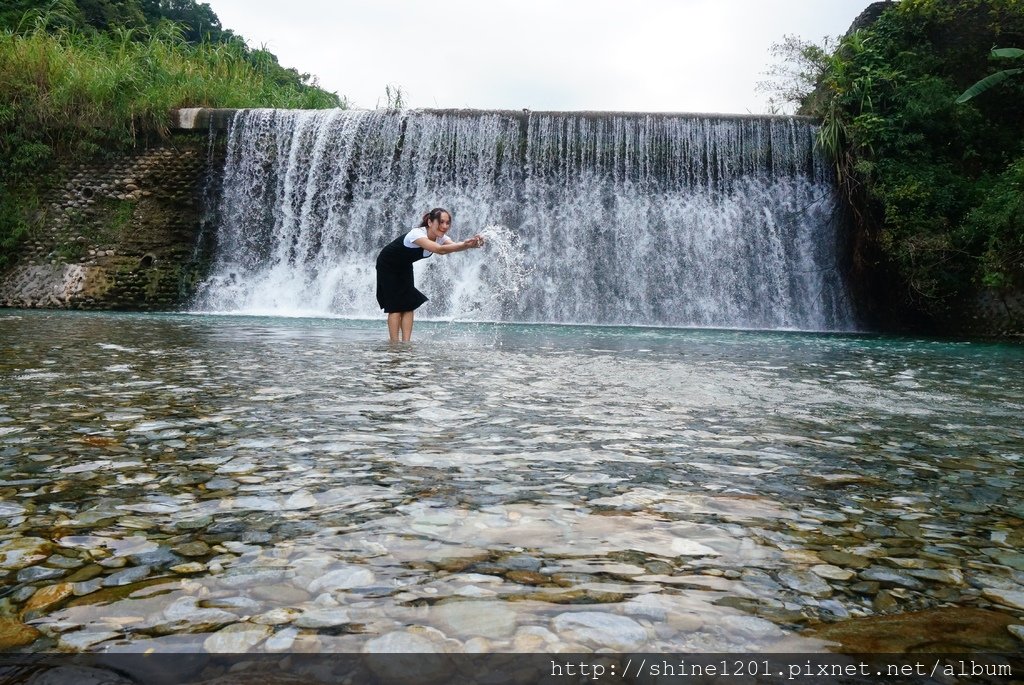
(120, 233)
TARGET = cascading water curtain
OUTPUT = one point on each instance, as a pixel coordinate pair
(638, 219)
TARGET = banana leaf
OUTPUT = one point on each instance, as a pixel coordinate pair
(987, 82)
(1007, 52)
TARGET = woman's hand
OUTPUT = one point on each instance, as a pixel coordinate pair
(475, 241)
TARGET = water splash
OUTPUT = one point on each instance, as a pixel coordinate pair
(611, 219)
(506, 257)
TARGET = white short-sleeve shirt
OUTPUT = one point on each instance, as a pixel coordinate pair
(421, 232)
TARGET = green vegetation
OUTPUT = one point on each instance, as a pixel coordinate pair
(996, 78)
(94, 77)
(937, 187)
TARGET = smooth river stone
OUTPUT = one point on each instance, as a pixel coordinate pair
(806, 583)
(845, 559)
(276, 617)
(282, 640)
(21, 552)
(61, 561)
(832, 572)
(888, 576)
(81, 640)
(183, 615)
(192, 549)
(46, 597)
(322, 618)
(1014, 560)
(189, 568)
(596, 629)
(492, 620)
(31, 574)
(237, 638)
(126, 577)
(16, 634)
(1010, 598)
(342, 579)
(952, 576)
(396, 657)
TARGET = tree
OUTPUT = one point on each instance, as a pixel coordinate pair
(199, 21)
(792, 81)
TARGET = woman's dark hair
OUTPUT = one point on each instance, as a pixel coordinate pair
(434, 215)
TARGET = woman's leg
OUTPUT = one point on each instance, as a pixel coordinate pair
(407, 325)
(394, 322)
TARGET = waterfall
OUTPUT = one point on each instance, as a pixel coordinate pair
(632, 219)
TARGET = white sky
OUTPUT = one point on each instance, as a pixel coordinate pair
(614, 55)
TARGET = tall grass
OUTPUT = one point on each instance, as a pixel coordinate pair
(67, 95)
(118, 84)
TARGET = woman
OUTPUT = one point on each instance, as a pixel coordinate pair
(396, 293)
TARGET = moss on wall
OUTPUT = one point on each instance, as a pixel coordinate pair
(118, 234)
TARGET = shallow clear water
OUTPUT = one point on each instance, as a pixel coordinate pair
(495, 487)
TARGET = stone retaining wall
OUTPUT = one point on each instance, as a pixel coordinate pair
(119, 234)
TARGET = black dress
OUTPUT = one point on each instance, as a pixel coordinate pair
(395, 289)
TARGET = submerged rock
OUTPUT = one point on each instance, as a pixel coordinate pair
(237, 638)
(596, 629)
(493, 620)
(16, 634)
(948, 630)
(21, 552)
(46, 597)
(806, 583)
(1010, 598)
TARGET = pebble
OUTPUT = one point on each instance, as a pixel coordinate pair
(34, 573)
(1010, 598)
(832, 572)
(845, 559)
(951, 576)
(18, 553)
(81, 640)
(395, 657)
(184, 616)
(192, 549)
(276, 617)
(887, 576)
(45, 597)
(494, 620)
(61, 561)
(599, 630)
(282, 640)
(127, 576)
(158, 558)
(342, 579)
(189, 568)
(237, 638)
(251, 576)
(322, 618)
(86, 587)
(530, 639)
(239, 605)
(806, 583)
(16, 634)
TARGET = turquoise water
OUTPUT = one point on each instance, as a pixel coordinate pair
(494, 487)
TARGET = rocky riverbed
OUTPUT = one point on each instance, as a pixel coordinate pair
(198, 484)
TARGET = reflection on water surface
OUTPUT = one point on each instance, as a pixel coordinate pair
(231, 484)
